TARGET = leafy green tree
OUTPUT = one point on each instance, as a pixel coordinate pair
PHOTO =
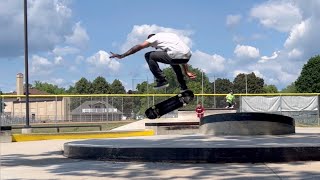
(71, 90)
(270, 89)
(309, 79)
(117, 87)
(83, 86)
(254, 83)
(49, 88)
(222, 86)
(100, 86)
(290, 89)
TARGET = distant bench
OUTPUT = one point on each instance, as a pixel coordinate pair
(58, 127)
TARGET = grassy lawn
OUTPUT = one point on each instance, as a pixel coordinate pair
(106, 126)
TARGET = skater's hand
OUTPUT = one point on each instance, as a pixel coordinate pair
(191, 75)
(113, 55)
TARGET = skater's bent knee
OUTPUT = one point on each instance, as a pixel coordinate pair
(147, 55)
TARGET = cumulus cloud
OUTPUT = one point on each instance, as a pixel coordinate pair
(49, 23)
(100, 63)
(79, 37)
(208, 63)
(280, 15)
(43, 66)
(139, 34)
(66, 50)
(267, 58)
(302, 38)
(294, 53)
(233, 20)
(243, 51)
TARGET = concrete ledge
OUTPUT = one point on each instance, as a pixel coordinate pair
(171, 128)
(199, 149)
(5, 134)
(247, 124)
(82, 135)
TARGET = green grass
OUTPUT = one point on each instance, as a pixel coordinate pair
(106, 126)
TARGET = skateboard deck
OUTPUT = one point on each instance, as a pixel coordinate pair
(168, 105)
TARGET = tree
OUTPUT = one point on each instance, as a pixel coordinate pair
(100, 86)
(290, 89)
(117, 87)
(49, 88)
(222, 86)
(254, 83)
(270, 89)
(309, 79)
(83, 86)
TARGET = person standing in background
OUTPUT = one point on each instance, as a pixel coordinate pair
(200, 110)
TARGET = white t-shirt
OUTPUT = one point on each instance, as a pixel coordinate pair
(171, 44)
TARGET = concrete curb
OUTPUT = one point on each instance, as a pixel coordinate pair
(81, 135)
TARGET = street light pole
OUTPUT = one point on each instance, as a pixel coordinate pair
(246, 83)
(26, 61)
(214, 91)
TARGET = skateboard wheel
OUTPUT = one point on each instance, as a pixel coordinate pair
(184, 104)
(179, 95)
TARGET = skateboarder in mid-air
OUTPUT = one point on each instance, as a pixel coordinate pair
(173, 52)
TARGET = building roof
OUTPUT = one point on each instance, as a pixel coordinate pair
(32, 91)
(90, 106)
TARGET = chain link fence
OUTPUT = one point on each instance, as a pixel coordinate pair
(118, 107)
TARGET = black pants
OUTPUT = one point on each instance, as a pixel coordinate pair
(154, 57)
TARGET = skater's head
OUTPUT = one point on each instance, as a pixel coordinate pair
(150, 35)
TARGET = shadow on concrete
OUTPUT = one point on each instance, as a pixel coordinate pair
(56, 166)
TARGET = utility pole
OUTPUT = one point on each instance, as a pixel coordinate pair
(26, 62)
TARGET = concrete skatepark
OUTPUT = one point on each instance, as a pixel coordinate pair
(218, 138)
(45, 159)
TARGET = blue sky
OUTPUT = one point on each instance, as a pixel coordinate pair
(70, 39)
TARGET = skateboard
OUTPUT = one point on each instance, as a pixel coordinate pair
(168, 105)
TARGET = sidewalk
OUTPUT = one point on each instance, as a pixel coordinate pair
(44, 160)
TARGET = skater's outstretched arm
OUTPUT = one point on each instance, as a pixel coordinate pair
(133, 50)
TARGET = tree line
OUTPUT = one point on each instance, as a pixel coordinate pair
(307, 82)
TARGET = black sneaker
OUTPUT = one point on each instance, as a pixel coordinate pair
(161, 84)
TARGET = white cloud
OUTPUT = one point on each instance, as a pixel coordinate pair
(256, 72)
(208, 63)
(140, 33)
(303, 39)
(41, 66)
(243, 51)
(63, 51)
(280, 15)
(79, 37)
(58, 60)
(233, 20)
(100, 63)
(236, 72)
(294, 53)
(49, 22)
(266, 58)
